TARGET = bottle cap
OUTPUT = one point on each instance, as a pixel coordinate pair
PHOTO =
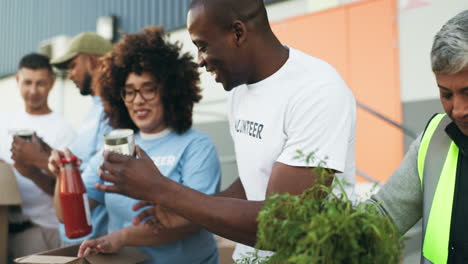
(72, 159)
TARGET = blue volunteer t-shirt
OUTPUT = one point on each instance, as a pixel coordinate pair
(88, 143)
(189, 159)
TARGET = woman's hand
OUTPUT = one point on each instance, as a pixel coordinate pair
(55, 162)
(110, 243)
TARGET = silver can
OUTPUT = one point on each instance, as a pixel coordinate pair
(26, 134)
(120, 141)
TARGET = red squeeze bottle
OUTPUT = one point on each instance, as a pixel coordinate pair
(74, 201)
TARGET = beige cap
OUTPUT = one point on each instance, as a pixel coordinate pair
(84, 43)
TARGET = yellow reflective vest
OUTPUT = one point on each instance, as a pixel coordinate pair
(437, 169)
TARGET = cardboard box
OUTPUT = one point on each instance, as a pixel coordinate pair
(225, 249)
(68, 255)
(9, 196)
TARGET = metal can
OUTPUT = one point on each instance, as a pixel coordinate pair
(120, 141)
(24, 134)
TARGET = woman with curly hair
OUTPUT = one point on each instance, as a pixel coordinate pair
(149, 86)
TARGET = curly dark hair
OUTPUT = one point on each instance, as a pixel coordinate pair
(149, 51)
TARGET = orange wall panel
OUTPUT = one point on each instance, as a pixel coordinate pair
(373, 72)
(359, 40)
(322, 34)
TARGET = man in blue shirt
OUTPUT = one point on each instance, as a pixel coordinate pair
(81, 60)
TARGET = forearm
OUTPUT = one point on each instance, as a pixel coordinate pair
(232, 218)
(401, 202)
(401, 197)
(41, 161)
(235, 190)
(136, 236)
(43, 181)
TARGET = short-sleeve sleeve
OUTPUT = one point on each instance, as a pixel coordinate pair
(90, 177)
(200, 166)
(320, 121)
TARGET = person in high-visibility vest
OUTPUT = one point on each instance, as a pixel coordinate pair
(432, 180)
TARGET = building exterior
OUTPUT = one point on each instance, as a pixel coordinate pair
(380, 47)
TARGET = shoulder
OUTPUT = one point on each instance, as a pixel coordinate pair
(60, 122)
(194, 141)
(59, 132)
(195, 136)
(310, 64)
(314, 78)
(7, 120)
(7, 116)
(57, 117)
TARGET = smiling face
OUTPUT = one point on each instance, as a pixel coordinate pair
(453, 90)
(34, 86)
(217, 50)
(147, 114)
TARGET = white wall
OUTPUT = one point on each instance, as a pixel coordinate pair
(212, 107)
(419, 21)
(63, 98)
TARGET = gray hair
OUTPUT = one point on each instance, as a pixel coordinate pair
(449, 54)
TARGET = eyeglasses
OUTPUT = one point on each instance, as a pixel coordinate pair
(146, 92)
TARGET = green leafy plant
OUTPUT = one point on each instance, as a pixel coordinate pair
(320, 227)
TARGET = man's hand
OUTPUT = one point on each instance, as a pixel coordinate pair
(33, 153)
(158, 218)
(110, 243)
(137, 178)
(24, 151)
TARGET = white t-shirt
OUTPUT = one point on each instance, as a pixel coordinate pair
(304, 106)
(54, 130)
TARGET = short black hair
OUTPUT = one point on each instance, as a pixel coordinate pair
(35, 61)
(246, 11)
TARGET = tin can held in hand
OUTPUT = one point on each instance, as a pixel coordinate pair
(24, 134)
(120, 141)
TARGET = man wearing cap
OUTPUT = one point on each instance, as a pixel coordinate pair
(81, 60)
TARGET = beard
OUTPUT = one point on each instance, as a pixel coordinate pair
(86, 88)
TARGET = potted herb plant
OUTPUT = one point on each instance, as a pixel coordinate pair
(319, 227)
